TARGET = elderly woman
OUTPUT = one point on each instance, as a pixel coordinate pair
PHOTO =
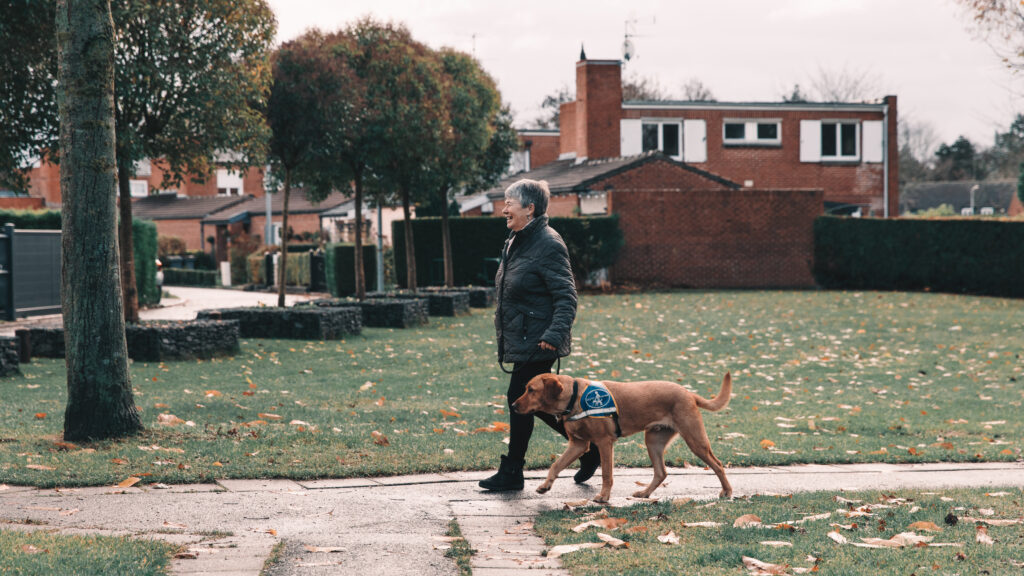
(536, 308)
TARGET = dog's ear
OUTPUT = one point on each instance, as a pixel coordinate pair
(552, 387)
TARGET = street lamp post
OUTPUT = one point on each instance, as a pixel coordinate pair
(973, 190)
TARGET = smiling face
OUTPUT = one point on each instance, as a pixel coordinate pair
(516, 216)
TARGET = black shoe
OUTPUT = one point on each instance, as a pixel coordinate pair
(589, 463)
(509, 477)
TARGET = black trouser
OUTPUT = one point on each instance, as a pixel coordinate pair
(521, 425)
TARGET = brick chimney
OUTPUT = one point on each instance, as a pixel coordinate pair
(589, 126)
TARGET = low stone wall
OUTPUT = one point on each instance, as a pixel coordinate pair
(440, 303)
(385, 312)
(479, 296)
(152, 341)
(9, 363)
(298, 323)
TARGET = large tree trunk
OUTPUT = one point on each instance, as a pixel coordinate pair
(410, 248)
(129, 289)
(446, 242)
(283, 261)
(360, 273)
(100, 402)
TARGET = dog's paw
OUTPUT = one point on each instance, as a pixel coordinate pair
(601, 499)
(642, 494)
(542, 489)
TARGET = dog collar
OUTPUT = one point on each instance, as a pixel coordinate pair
(572, 399)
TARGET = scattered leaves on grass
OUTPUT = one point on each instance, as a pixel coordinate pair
(267, 416)
(605, 523)
(668, 538)
(747, 520)
(701, 524)
(926, 526)
(169, 420)
(981, 535)
(776, 543)
(40, 415)
(557, 551)
(379, 439)
(39, 467)
(612, 541)
(757, 567)
(129, 482)
(30, 549)
(494, 427)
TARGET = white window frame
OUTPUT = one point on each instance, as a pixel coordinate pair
(839, 157)
(661, 122)
(230, 182)
(750, 132)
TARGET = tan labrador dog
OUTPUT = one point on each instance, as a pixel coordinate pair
(663, 410)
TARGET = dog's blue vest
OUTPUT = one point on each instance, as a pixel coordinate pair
(596, 401)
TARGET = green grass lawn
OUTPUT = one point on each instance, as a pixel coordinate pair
(30, 553)
(794, 533)
(818, 377)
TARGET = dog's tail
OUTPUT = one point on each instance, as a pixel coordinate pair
(720, 401)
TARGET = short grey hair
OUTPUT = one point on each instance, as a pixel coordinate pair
(528, 192)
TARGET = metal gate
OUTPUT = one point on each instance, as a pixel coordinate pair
(29, 272)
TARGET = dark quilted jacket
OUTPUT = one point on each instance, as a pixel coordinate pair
(536, 295)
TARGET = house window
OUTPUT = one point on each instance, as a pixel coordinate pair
(840, 141)
(665, 136)
(229, 182)
(752, 132)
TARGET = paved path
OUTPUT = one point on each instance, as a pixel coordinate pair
(188, 301)
(394, 525)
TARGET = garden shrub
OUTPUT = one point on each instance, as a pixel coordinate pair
(953, 255)
(145, 251)
(186, 277)
(341, 267)
(31, 219)
(593, 243)
(169, 246)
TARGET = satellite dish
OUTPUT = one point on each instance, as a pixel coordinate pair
(628, 50)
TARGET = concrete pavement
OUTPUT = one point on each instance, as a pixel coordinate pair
(395, 525)
(187, 301)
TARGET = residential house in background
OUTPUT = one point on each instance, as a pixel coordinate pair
(965, 197)
(848, 150)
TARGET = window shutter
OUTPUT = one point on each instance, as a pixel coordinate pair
(695, 141)
(810, 140)
(630, 139)
(871, 139)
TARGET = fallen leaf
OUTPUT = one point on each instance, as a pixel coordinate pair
(212, 393)
(928, 526)
(746, 520)
(379, 439)
(174, 525)
(129, 482)
(669, 538)
(70, 512)
(266, 416)
(186, 556)
(272, 532)
(451, 414)
(981, 535)
(766, 444)
(756, 566)
(838, 538)
(169, 420)
(606, 523)
(575, 504)
(776, 543)
(557, 551)
(217, 464)
(994, 521)
(326, 550)
(30, 549)
(611, 540)
(366, 386)
(380, 401)
(701, 524)
(39, 467)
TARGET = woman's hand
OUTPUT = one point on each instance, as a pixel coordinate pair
(545, 346)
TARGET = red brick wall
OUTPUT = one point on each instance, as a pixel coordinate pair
(44, 182)
(299, 223)
(563, 206)
(544, 149)
(22, 203)
(567, 127)
(1016, 207)
(716, 238)
(187, 230)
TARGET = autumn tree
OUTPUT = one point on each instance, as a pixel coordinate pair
(313, 102)
(551, 107)
(192, 76)
(100, 403)
(28, 80)
(404, 95)
(917, 143)
(637, 87)
(1000, 23)
(460, 162)
(696, 91)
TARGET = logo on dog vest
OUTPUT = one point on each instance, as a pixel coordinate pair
(596, 400)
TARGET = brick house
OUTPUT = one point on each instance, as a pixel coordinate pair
(848, 150)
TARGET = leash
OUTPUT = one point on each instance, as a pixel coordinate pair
(558, 366)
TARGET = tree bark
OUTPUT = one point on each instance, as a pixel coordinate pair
(446, 242)
(410, 248)
(129, 289)
(360, 273)
(100, 402)
(283, 260)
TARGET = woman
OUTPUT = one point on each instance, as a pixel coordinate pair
(536, 308)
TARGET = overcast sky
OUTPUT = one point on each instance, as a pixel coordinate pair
(743, 50)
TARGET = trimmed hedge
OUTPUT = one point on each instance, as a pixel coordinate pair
(341, 266)
(296, 270)
(10, 360)
(186, 277)
(145, 245)
(152, 341)
(965, 256)
(31, 219)
(593, 243)
(299, 323)
(385, 312)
